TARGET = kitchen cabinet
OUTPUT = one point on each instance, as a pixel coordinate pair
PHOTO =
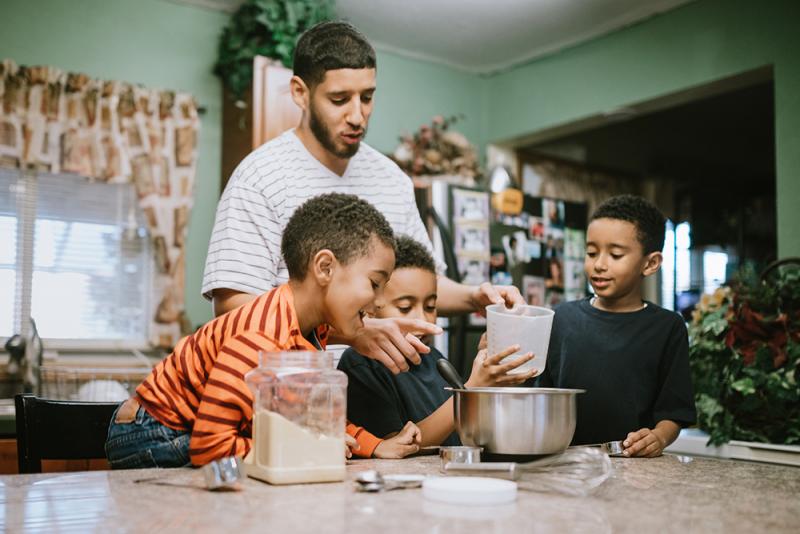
(266, 111)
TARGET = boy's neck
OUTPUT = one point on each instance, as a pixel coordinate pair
(629, 303)
(306, 306)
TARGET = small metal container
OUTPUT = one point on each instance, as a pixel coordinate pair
(460, 455)
(225, 473)
(516, 421)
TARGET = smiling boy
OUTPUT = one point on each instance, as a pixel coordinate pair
(382, 402)
(195, 406)
(631, 356)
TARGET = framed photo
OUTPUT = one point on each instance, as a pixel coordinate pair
(470, 205)
(533, 290)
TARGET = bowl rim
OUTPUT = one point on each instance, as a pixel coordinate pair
(518, 390)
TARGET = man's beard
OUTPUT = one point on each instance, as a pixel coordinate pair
(325, 138)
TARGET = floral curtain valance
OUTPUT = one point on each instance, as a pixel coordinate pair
(110, 131)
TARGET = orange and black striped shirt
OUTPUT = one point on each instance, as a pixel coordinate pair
(200, 386)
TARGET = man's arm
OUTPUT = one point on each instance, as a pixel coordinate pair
(455, 298)
(224, 300)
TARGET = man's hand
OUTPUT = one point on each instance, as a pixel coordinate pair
(401, 445)
(486, 294)
(393, 341)
(488, 371)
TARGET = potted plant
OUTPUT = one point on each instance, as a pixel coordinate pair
(437, 150)
(745, 358)
(264, 28)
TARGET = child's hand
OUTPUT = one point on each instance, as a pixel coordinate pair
(643, 443)
(488, 371)
(350, 445)
(401, 445)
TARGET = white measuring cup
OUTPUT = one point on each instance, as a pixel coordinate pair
(524, 325)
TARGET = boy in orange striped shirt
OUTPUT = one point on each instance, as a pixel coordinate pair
(195, 406)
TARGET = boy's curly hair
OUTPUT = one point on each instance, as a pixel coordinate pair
(413, 254)
(647, 218)
(343, 224)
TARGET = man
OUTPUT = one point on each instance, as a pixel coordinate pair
(333, 84)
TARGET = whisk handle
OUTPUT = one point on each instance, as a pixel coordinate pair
(507, 470)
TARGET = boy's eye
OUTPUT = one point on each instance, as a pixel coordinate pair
(375, 285)
(338, 101)
(591, 254)
(430, 309)
(404, 309)
(366, 98)
(616, 256)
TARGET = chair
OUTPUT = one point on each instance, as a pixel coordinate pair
(59, 430)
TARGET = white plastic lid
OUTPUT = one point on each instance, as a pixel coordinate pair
(469, 490)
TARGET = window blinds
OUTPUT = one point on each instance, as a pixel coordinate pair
(75, 256)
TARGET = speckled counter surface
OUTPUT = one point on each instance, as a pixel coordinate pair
(667, 494)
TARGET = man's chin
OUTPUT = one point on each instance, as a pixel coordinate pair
(346, 151)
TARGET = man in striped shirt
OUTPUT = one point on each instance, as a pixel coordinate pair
(334, 83)
(195, 406)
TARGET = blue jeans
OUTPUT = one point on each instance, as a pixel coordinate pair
(144, 442)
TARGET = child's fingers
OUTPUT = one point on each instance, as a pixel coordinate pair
(652, 450)
(496, 358)
(636, 441)
(504, 368)
(633, 437)
(484, 342)
(405, 450)
(410, 434)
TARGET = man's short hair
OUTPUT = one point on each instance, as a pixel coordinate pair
(649, 221)
(330, 46)
(343, 224)
(410, 253)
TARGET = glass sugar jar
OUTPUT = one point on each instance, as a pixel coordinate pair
(299, 418)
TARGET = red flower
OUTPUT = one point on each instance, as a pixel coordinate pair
(749, 331)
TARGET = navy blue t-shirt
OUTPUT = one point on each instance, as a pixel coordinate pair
(382, 402)
(634, 367)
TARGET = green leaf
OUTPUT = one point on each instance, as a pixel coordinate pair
(744, 386)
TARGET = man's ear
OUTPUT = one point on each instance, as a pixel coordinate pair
(652, 263)
(323, 265)
(301, 94)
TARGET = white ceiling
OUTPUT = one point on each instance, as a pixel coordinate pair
(483, 35)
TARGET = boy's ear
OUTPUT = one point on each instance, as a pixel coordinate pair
(322, 266)
(652, 263)
(301, 94)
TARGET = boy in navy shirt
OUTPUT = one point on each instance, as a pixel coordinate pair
(631, 356)
(382, 402)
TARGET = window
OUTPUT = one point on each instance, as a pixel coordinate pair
(75, 257)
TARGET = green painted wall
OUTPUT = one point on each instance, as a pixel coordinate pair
(411, 92)
(692, 45)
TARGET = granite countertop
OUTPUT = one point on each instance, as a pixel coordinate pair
(667, 494)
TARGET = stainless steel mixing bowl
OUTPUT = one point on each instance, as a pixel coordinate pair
(519, 421)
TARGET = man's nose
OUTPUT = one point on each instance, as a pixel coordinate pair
(355, 115)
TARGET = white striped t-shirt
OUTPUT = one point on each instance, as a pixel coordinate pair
(244, 252)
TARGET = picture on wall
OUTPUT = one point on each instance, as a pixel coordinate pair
(533, 290)
(470, 205)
